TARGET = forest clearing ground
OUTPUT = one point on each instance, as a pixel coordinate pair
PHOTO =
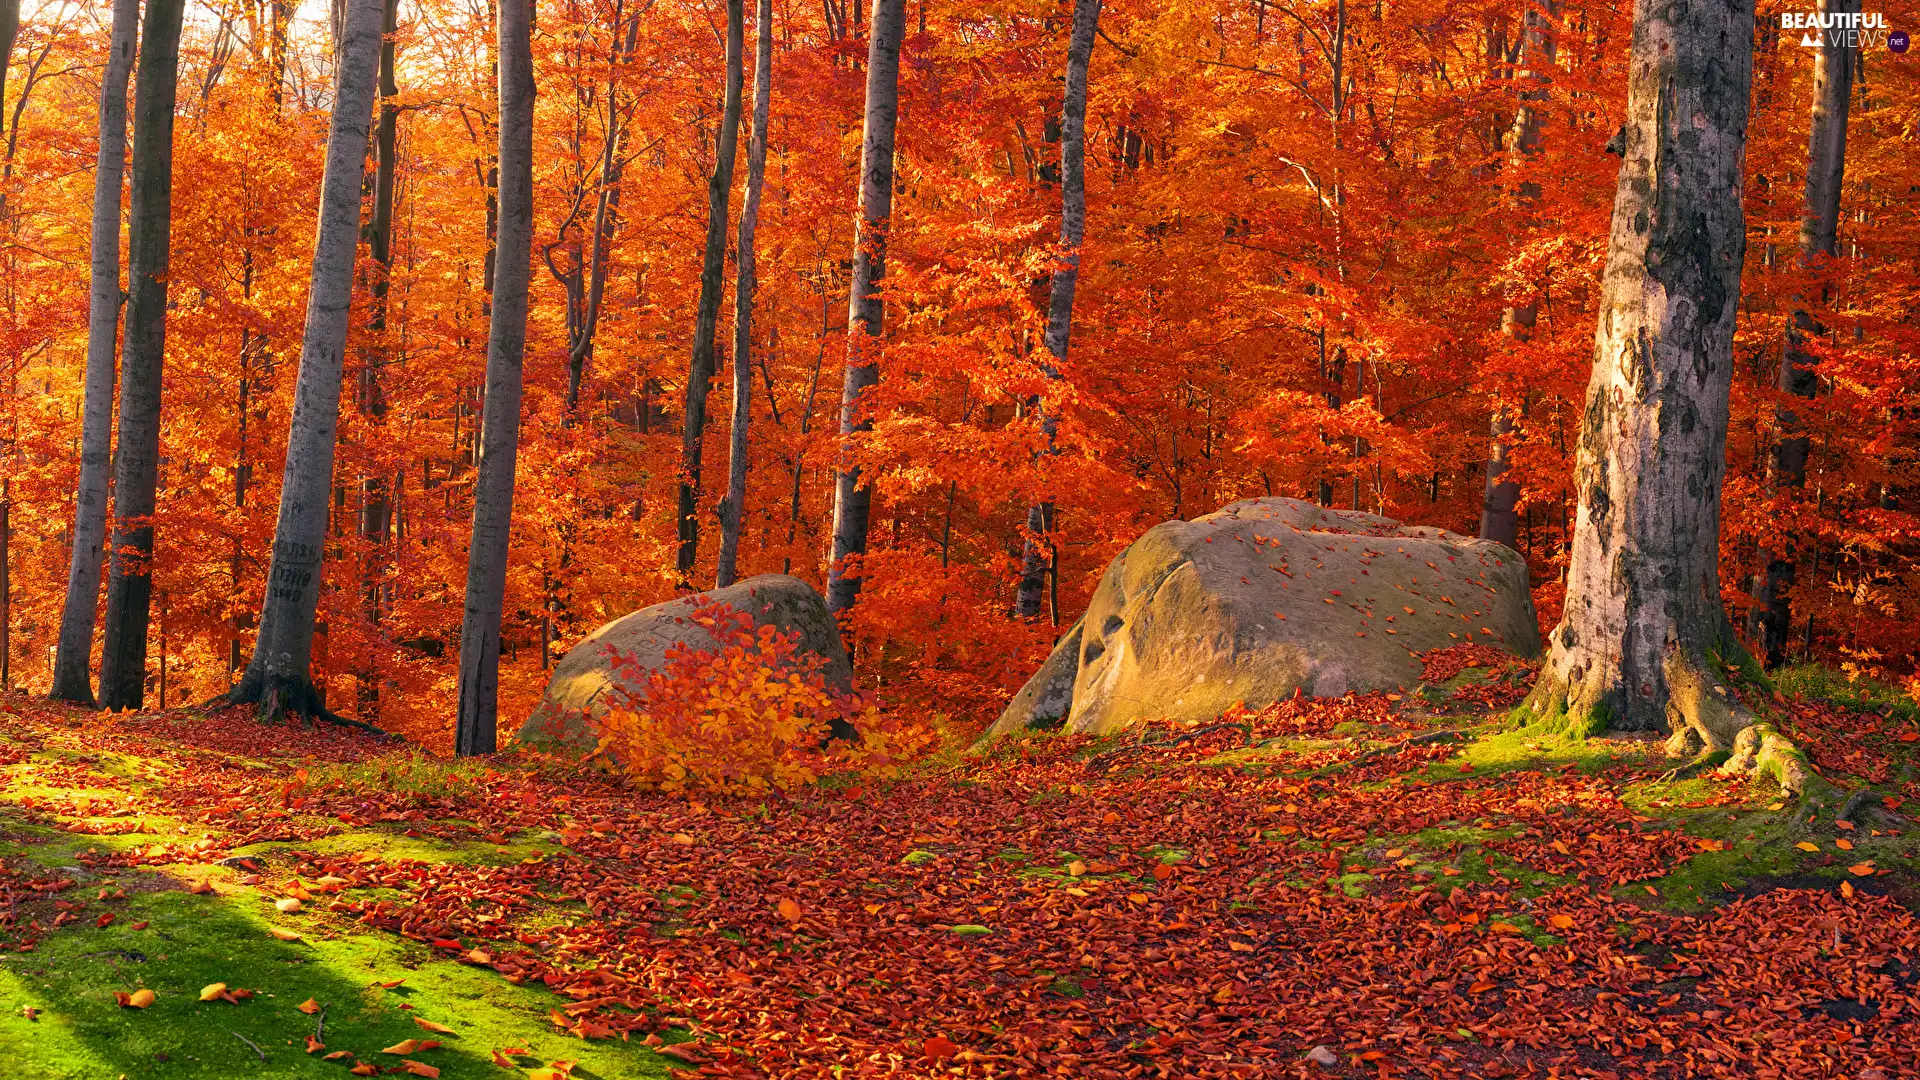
(1502, 902)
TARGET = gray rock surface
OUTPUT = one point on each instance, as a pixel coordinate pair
(584, 684)
(1265, 597)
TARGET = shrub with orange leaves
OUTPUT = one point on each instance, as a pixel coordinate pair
(749, 714)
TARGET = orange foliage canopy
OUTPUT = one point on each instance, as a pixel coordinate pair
(1302, 232)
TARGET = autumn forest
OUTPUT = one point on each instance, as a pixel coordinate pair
(520, 486)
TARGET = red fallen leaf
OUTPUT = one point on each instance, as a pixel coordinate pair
(686, 1052)
(104, 919)
(940, 1047)
(503, 1056)
(365, 1068)
(419, 1069)
(1161, 871)
(141, 925)
(337, 1055)
(1480, 988)
(1910, 736)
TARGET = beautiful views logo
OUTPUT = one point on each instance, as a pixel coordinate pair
(1843, 29)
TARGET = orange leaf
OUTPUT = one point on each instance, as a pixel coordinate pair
(1843, 844)
(1805, 845)
(1864, 869)
(337, 1055)
(789, 910)
(1561, 922)
(308, 1006)
(314, 1044)
(418, 1069)
(1479, 988)
(940, 1047)
(139, 999)
(1161, 871)
(403, 1047)
(283, 935)
(437, 1029)
(365, 1068)
(212, 991)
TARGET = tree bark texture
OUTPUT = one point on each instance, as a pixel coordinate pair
(1037, 562)
(712, 283)
(123, 660)
(73, 659)
(1636, 647)
(852, 495)
(734, 507)
(476, 725)
(278, 676)
(1833, 72)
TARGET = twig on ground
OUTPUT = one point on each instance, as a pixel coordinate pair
(1144, 743)
(320, 1025)
(249, 1042)
(1380, 751)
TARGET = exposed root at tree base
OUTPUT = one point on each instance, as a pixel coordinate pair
(290, 699)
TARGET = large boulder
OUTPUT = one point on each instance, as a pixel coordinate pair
(585, 685)
(1265, 597)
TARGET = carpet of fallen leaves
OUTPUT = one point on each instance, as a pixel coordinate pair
(1052, 912)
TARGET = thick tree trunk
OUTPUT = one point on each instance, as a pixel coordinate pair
(73, 659)
(123, 664)
(475, 727)
(1833, 68)
(1638, 646)
(852, 496)
(1037, 562)
(736, 501)
(693, 428)
(1499, 518)
(278, 677)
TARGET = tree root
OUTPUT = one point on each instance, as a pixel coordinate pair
(1381, 751)
(289, 699)
(1144, 743)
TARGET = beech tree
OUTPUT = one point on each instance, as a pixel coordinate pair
(852, 493)
(1639, 645)
(476, 723)
(1833, 69)
(735, 502)
(123, 660)
(278, 677)
(1038, 564)
(700, 370)
(73, 659)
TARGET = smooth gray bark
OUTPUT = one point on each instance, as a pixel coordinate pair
(693, 426)
(1643, 612)
(852, 495)
(1037, 564)
(73, 659)
(477, 722)
(732, 509)
(1833, 72)
(123, 658)
(278, 677)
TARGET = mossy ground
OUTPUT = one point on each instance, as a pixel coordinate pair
(164, 938)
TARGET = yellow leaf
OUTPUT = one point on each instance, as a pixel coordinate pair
(789, 910)
(283, 935)
(212, 991)
(1239, 946)
(308, 1006)
(1076, 868)
(1137, 897)
(139, 999)
(1805, 845)
(1846, 889)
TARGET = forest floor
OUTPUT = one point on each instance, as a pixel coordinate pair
(1307, 883)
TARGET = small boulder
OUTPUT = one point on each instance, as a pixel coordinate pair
(584, 685)
(1265, 597)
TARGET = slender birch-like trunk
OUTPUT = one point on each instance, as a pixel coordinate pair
(852, 495)
(1499, 519)
(736, 501)
(1833, 71)
(1038, 564)
(123, 661)
(1637, 648)
(477, 721)
(693, 427)
(279, 676)
(73, 659)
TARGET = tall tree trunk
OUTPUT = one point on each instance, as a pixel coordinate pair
(1499, 521)
(735, 505)
(712, 266)
(475, 726)
(852, 495)
(1643, 624)
(123, 664)
(1038, 564)
(1833, 68)
(9, 29)
(376, 512)
(279, 676)
(72, 680)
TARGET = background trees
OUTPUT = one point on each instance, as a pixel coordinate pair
(1301, 238)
